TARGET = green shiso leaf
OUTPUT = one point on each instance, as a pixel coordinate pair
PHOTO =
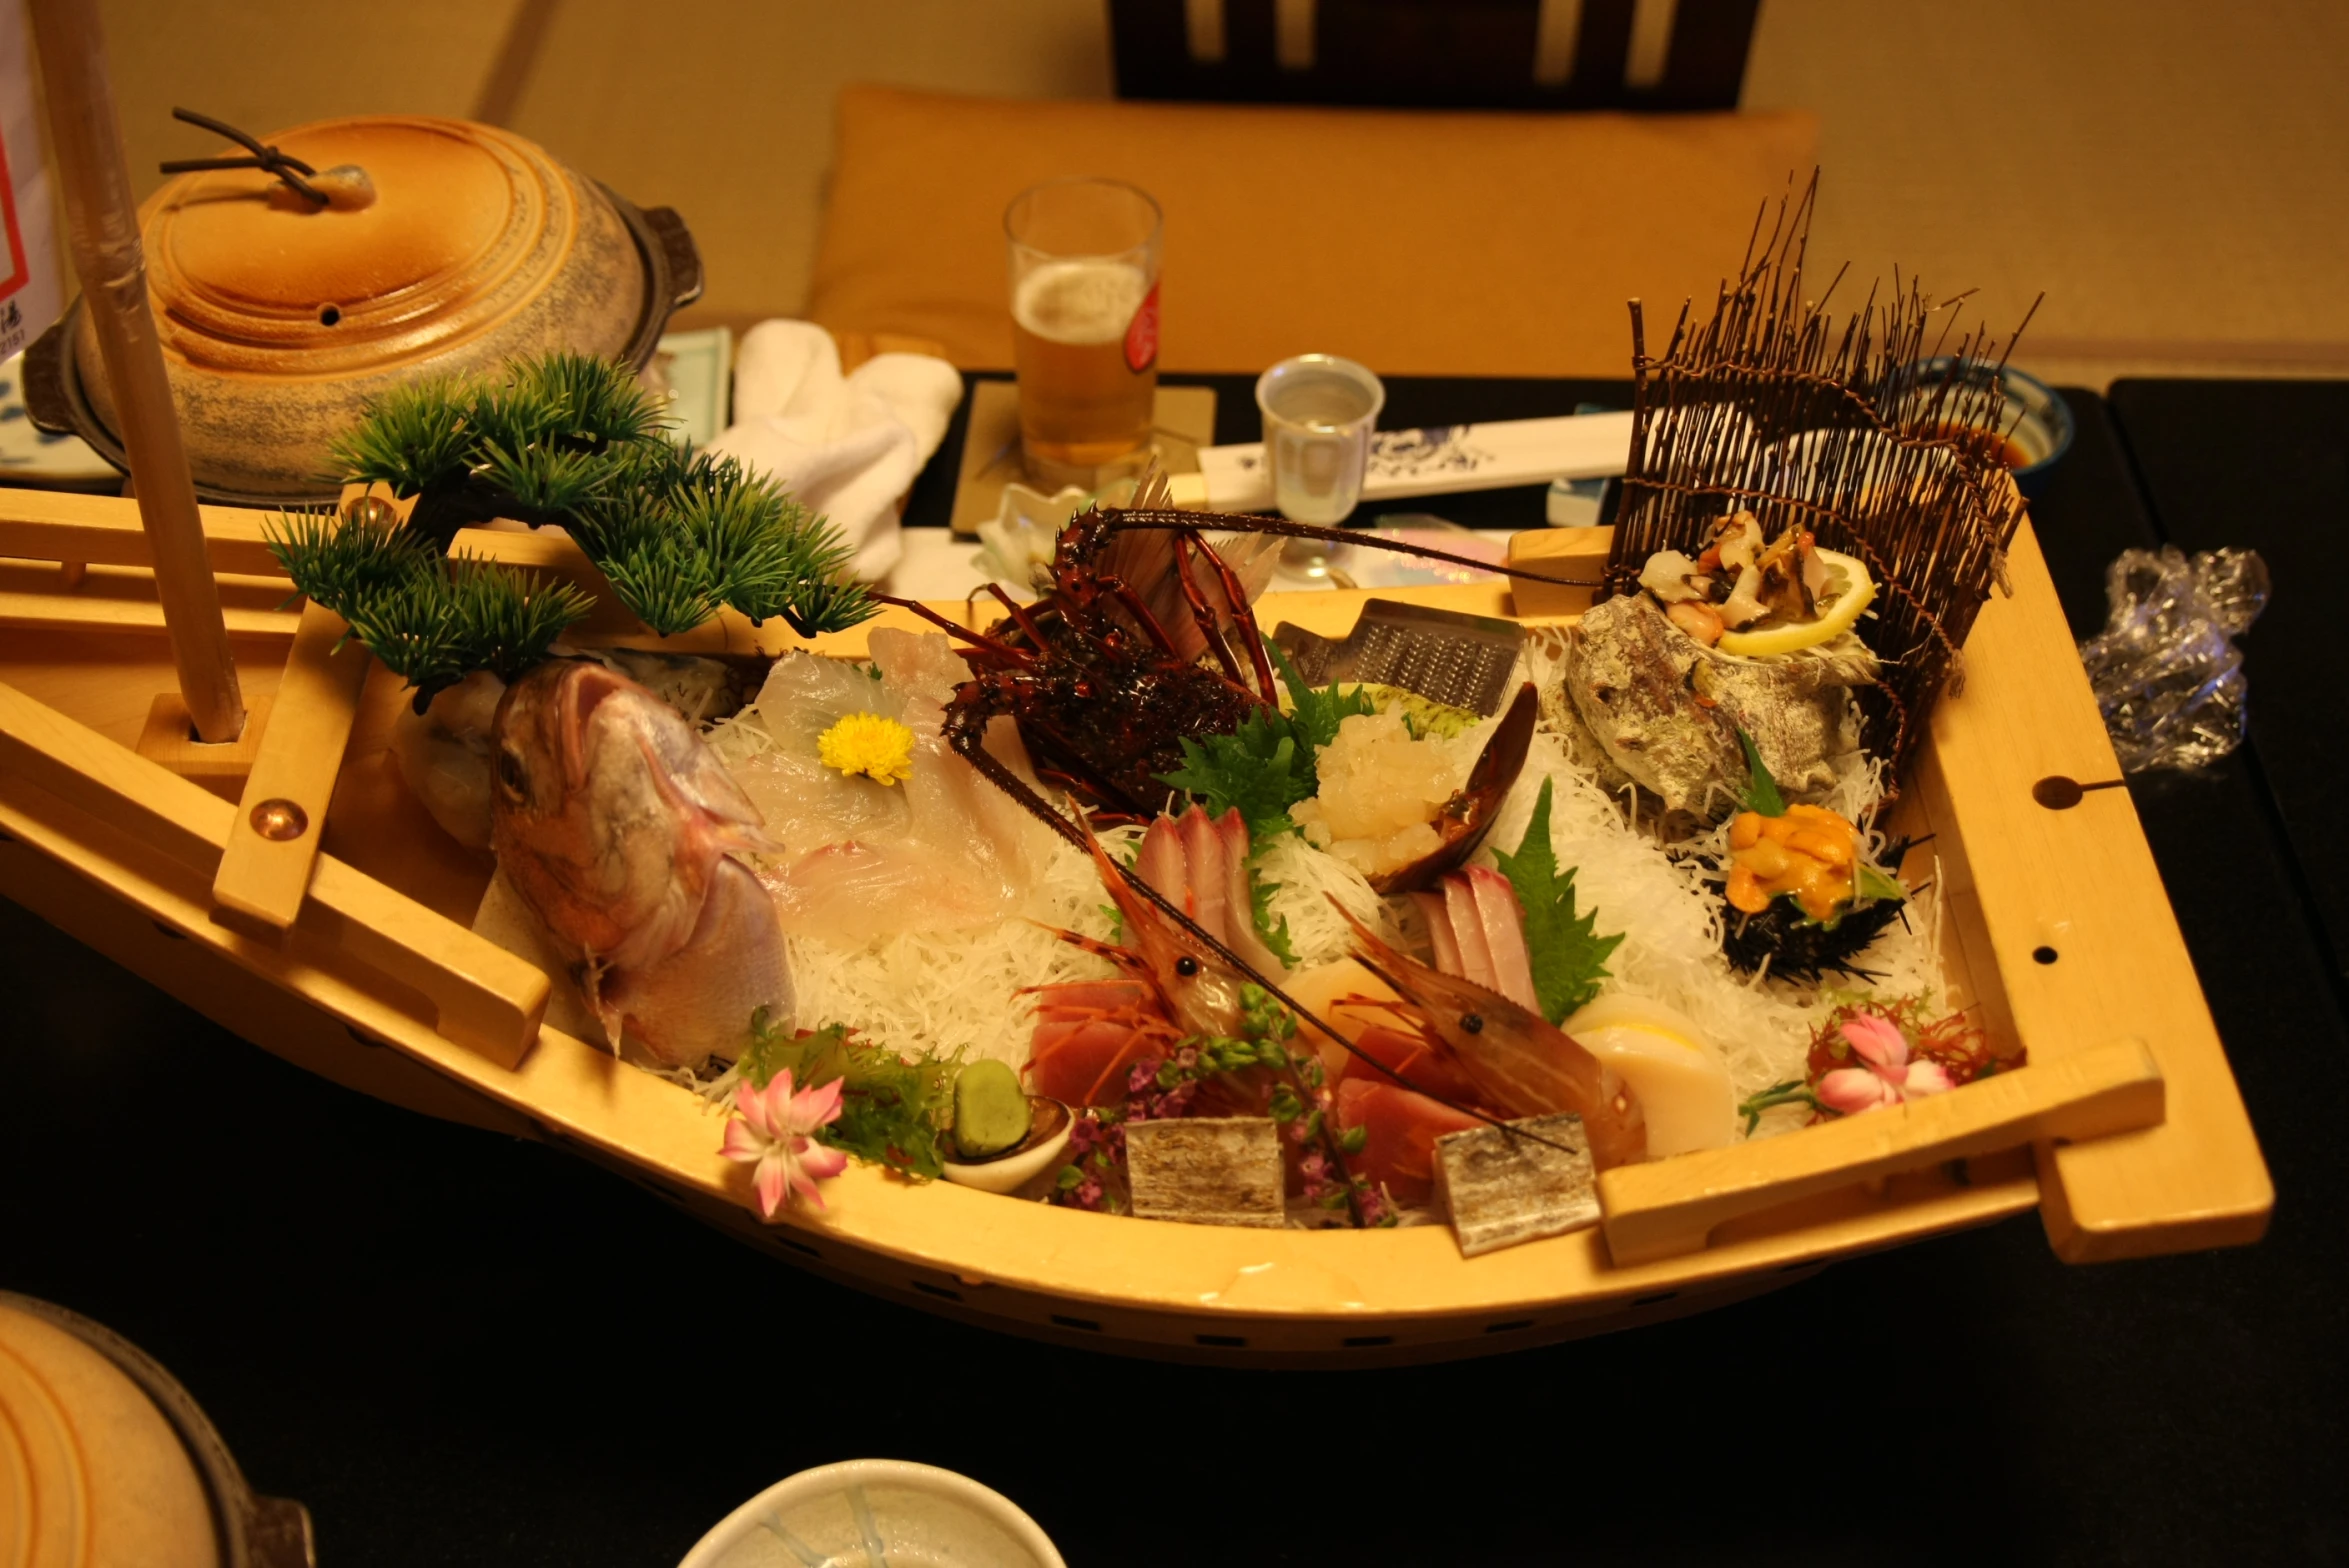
(1761, 792)
(1267, 765)
(1314, 715)
(1259, 770)
(1275, 933)
(1569, 956)
(891, 1109)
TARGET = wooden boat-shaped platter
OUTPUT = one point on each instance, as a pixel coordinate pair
(354, 958)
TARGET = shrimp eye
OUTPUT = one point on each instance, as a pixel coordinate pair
(1472, 1022)
(1186, 966)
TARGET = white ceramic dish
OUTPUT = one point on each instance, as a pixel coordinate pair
(868, 1511)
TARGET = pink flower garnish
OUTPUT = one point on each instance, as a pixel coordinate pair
(772, 1127)
(1888, 1076)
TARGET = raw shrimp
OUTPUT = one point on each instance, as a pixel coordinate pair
(1520, 1064)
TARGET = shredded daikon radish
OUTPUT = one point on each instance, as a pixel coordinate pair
(947, 991)
(1307, 879)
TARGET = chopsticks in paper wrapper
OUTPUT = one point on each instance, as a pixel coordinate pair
(1431, 460)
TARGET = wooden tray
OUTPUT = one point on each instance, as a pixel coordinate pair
(2126, 1132)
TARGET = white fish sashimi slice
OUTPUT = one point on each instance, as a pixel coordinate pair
(917, 666)
(1164, 864)
(1240, 901)
(807, 804)
(1437, 913)
(847, 895)
(961, 861)
(943, 850)
(1209, 873)
(1476, 958)
(1503, 923)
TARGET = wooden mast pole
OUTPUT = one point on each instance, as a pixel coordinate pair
(102, 224)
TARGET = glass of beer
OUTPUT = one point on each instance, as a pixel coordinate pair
(1084, 312)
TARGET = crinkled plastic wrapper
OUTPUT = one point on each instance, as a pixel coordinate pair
(2165, 668)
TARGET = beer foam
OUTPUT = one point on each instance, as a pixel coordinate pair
(1080, 301)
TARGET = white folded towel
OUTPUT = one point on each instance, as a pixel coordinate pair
(845, 446)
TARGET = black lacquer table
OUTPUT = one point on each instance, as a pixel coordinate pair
(459, 1348)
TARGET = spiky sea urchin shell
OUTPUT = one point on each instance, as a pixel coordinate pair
(1799, 948)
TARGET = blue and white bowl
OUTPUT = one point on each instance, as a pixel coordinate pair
(2033, 415)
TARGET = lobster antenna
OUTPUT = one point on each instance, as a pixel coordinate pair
(1168, 520)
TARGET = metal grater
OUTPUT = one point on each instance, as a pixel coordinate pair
(1463, 660)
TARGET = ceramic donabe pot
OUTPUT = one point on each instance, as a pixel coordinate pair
(463, 245)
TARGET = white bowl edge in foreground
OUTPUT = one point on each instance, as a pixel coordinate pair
(954, 1493)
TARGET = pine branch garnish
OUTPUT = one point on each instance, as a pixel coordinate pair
(504, 619)
(559, 439)
(668, 588)
(414, 436)
(336, 562)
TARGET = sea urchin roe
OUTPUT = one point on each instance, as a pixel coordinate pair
(1380, 790)
(1809, 853)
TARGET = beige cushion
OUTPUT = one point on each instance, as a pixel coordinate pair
(1421, 244)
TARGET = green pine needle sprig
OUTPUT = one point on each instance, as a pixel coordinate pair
(503, 619)
(569, 439)
(414, 436)
(337, 563)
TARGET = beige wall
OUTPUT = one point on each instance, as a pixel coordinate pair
(2173, 173)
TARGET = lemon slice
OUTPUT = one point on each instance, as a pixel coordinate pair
(1837, 616)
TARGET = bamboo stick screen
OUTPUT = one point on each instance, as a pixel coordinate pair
(1769, 407)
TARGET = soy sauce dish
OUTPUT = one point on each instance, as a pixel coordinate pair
(2035, 425)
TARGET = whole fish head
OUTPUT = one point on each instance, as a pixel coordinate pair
(610, 815)
(1521, 1063)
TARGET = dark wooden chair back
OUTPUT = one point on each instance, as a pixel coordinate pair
(1436, 54)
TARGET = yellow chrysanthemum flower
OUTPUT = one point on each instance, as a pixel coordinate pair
(867, 743)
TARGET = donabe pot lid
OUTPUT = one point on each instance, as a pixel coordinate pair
(446, 248)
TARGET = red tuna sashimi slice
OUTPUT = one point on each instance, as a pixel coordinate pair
(1405, 1054)
(1087, 1034)
(1086, 1063)
(1399, 1129)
